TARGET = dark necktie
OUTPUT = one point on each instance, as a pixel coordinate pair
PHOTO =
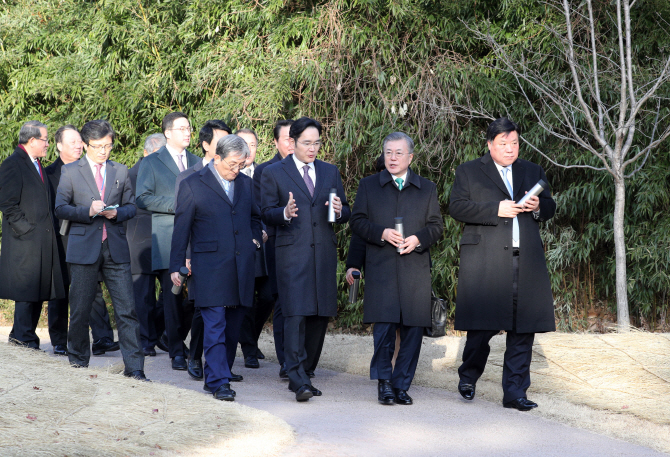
(308, 180)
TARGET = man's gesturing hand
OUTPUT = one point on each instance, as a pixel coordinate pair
(508, 208)
(291, 210)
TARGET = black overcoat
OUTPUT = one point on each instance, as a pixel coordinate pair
(138, 232)
(53, 172)
(269, 247)
(397, 284)
(30, 268)
(305, 248)
(484, 294)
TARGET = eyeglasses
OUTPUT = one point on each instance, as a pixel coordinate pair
(398, 155)
(183, 130)
(237, 167)
(46, 140)
(98, 147)
(315, 145)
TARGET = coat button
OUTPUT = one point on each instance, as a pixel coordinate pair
(505, 222)
(313, 204)
(47, 230)
(315, 224)
(237, 253)
(99, 228)
(505, 248)
(237, 232)
(311, 245)
(234, 213)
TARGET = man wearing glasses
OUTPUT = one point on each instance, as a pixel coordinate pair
(155, 192)
(29, 246)
(96, 196)
(295, 198)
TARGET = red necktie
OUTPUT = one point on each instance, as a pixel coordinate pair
(101, 185)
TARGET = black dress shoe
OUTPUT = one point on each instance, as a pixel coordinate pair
(206, 388)
(466, 390)
(385, 392)
(195, 369)
(60, 349)
(401, 397)
(251, 362)
(179, 363)
(282, 371)
(316, 392)
(521, 403)
(259, 354)
(149, 351)
(137, 374)
(236, 377)
(310, 374)
(163, 343)
(304, 393)
(104, 345)
(224, 393)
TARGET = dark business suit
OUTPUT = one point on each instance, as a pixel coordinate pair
(30, 266)
(221, 233)
(407, 305)
(306, 256)
(88, 256)
(58, 311)
(269, 250)
(499, 287)
(155, 192)
(149, 310)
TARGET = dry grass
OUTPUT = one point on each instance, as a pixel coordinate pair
(613, 384)
(49, 408)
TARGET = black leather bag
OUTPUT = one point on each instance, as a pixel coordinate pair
(438, 311)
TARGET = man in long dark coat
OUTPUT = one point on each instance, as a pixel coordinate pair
(397, 284)
(295, 194)
(503, 283)
(30, 265)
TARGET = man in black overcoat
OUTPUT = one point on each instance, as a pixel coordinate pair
(30, 267)
(295, 196)
(138, 233)
(397, 265)
(284, 147)
(503, 283)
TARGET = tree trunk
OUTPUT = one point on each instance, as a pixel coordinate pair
(623, 317)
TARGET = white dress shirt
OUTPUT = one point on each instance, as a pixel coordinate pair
(176, 155)
(103, 171)
(403, 177)
(301, 165)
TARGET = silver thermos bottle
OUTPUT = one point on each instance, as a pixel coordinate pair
(331, 210)
(353, 289)
(183, 273)
(399, 228)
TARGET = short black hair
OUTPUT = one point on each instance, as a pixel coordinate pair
(301, 125)
(380, 163)
(168, 120)
(97, 129)
(501, 125)
(280, 124)
(58, 137)
(207, 131)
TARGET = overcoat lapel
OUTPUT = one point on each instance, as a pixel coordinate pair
(320, 172)
(87, 174)
(207, 177)
(26, 160)
(518, 176)
(292, 171)
(166, 158)
(110, 179)
(192, 159)
(488, 166)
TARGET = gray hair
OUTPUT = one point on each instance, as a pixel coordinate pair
(232, 145)
(30, 129)
(154, 142)
(395, 136)
(247, 131)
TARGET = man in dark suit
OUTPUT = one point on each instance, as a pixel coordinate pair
(254, 320)
(138, 234)
(284, 147)
(69, 146)
(216, 214)
(210, 133)
(503, 283)
(95, 195)
(155, 192)
(30, 266)
(402, 259)
(305, 248)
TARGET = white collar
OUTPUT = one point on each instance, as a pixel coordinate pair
(174, 152)
(93, 164)
(403, 177)
(301, 165)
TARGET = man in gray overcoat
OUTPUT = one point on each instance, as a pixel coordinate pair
(397, 265)
(503, 283)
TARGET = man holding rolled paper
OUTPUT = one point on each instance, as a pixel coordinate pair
(503, 283)
(398, 216)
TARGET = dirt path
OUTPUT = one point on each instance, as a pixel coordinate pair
(348, 421)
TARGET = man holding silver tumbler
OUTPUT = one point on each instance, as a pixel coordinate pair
(503, 282)
(397, 263)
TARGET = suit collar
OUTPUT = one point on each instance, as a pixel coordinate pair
(164, 156)
(518, 174)
(412, 178)
(87, 174)
(21, 152)
(207, 177)
(110, 179)
(292, 171)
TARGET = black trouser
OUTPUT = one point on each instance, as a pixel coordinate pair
(149, 310)
(278, 330)
(197, 335)
(255, 317)
(402, 374)
(518, 351)
(26, 317)
(303, 338)
(178, 316)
